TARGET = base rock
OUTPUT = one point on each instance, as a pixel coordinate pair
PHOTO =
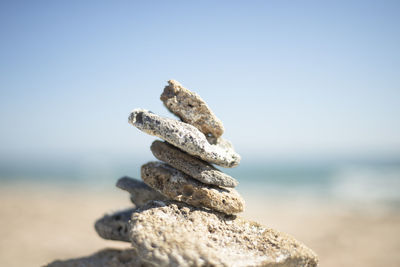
(175, 234)
(106, 257)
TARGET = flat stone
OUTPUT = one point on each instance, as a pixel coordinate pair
(114, 226)
(192, 166)
(191, 108)
(140, 192)
(176, 185)
(106, 257)
(186, 137)
(176, 234)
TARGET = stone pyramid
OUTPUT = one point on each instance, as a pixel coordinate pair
(184, 211)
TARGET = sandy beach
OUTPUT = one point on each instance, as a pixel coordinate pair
(42, 223)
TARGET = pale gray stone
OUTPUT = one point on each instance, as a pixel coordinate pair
(186, 137)
(176, 234)
(114, 226)
(176, 185)
(192, 166)
(106, 257)
(140, 192)
(191, 108)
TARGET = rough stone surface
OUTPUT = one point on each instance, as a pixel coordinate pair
(176, 234)
(186, 137)
(140, 192)
(106, 257)
(114, 226)
(192, 166)
(190, 108)
(176, 185)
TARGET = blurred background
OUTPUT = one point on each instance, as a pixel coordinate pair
(308, 91)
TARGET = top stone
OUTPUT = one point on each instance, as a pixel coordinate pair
(186, 137)
(190, 108)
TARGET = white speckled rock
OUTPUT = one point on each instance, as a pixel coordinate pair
(114, 226)
(186, 137)
(176, 234)
(106, 257)
(140, 192)
(191, 108)
(176, 185)
(192, 166)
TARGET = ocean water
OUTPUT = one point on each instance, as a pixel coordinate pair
(361, 182)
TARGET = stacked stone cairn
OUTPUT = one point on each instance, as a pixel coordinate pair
(185, 209)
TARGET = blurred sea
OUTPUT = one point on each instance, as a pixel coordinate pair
(358, 182)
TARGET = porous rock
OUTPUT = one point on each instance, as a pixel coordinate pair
(140, 192)
(114, 226)
(186, 137)
(176, 185)
(106, 257)
(191, 108)
(192, 166)
(176, 234)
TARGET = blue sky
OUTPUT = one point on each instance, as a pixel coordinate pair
(287, 78)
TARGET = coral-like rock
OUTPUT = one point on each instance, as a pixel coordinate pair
(186, 137)
(191, 108)
(176, 234)
(140, 192)
(106, 257)
(114, 226)
(176, 185)
(192, 166)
